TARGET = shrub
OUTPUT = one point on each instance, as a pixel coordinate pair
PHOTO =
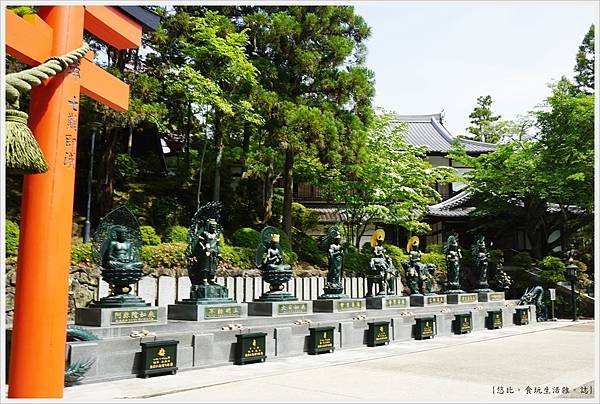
(149, 236)
(496, 258)
(439, 260)
(434, 248)
(166, 255)
(290, 257)
(81, 254)
(126, 168)
(304, 218)
(12, 238)
(396, 254)
(355, 262)
(245, 237)
(309, 250)
(553, 269)
(284, 241)
(177, 234)
(239, 257)
(583, 279)
(523, 260)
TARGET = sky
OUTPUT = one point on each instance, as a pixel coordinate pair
(431, 56)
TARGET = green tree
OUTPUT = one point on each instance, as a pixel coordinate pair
(567, 156)
(584, 66)
(483, 121)
(317, 92)
(391, 182)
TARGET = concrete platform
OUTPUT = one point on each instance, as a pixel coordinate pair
(210, 343)
(371, 374)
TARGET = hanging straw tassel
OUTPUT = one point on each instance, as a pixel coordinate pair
(23, 154)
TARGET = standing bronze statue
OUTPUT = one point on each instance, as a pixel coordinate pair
(453, 256)
(204, 253)
(335, 259)
(481, 257)
(380, 267)
(412, 267)
(116, 248)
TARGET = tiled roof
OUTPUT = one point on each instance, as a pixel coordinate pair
(453, 207)
(426, 130)
(328, 215)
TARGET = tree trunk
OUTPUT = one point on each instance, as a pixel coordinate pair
(105, 173)
(288, 187)
(268, 194)
(218, 131)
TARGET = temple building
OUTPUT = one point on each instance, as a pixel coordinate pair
(449, 215)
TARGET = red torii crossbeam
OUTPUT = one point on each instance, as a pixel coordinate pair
(37, 359)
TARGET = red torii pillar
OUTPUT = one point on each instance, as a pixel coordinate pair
(37, 360)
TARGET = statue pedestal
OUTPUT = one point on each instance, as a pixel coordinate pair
(116, 316)
(333, 293)
(280, 308)
(206, 310)
(388, 302)
(338, 305)
(490, 296)
(462, 298)
(428, 300)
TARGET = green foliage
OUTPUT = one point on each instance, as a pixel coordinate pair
(583, 279)
(355, 262)
(584, 67)
(522, 260)
(149, 236)
(483, 121)
(166, 255)
(126, 168)
(496, 258)
(439, 260)
(177, 234)
(12, 238)
(309, 250)
(81, 254)
(290, 257)
(553, 269)
(390, 183)
(23, 10)
(303, 219)
(246, 237)
(435, 248)
(396, 254)
(239, 257)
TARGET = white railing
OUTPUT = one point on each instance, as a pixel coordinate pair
(167, 290)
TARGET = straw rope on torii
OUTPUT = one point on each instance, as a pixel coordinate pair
(23, 153)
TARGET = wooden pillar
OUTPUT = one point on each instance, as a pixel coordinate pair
(41, 299)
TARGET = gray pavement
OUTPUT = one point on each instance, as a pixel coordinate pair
(548, 358)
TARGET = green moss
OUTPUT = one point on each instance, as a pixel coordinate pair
(81, 254)
(12, 238)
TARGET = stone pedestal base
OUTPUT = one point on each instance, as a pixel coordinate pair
(333, 293)
(388, 302)
(462, 298)
(338, 305)
(278, 309)
(429, 300)
(120, 300)
(490, 296)
(116, 316)
(207, 311)
(277, 296)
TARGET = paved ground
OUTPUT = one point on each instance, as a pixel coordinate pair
(548, 357)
